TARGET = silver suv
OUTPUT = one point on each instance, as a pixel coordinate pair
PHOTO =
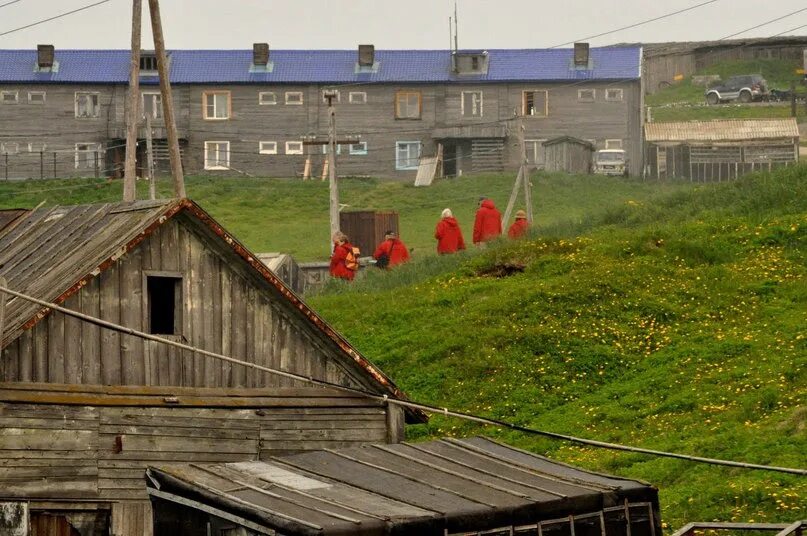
(744, 88)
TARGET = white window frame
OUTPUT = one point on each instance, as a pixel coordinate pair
(537, 145)
(357, 97)
(402, 96)
(292, 102)
(4, 94)
(92, 148)
(263, 150)
(289, 150)
(614, 143)
(618, 90)
(462, 104)
(216, 116)
(214, 167)
(263, 101)
(38, 93)
(524, 102)
(581, 92)
(156, 111)
(96, 107)
(358, 152)
(5, 147)
(338, 148)
(398, 160)
(37, 147)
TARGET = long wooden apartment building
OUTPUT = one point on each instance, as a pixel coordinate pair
(249, 111)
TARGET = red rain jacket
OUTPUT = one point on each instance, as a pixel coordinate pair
(518, 229)
(488, 223)
(394, 249)
(338, 266)
(449, 236)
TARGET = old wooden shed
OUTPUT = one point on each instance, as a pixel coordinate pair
(366, 228)
(568, 154)
(84, 410)
(719, 150)
(471, 486)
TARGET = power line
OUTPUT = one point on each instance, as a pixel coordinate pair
(765, 24)
(9, 3)
(386, 399)
(65, 14)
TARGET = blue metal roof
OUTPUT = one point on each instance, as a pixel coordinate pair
(324, 66)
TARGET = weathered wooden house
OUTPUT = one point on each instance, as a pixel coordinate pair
(84, 409)
(719, 150)
(248, 111)
(568, 154)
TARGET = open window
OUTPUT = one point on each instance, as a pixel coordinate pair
(152, 104)
(535, 103)
(87, 106)
(408, 105)
(164, 307)
(471, 105)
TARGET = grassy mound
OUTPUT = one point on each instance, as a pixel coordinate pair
(675, 323)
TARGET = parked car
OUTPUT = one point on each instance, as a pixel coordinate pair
(610, 162)
(743, 88)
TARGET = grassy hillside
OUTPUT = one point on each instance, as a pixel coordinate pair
(676, 323)
(291, 216)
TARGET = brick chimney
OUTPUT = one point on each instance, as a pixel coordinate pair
(366, 55)
(45, 55)
(260, 53)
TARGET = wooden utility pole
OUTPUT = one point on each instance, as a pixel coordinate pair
(522, 176)
(168, 101)
(333, 187)
(150, 160)
(133, 108)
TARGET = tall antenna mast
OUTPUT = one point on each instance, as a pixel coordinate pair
(450, 35)
(456, 24)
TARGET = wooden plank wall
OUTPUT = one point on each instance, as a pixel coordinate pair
(224, 311)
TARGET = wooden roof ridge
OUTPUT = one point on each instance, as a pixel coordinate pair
(136, 230)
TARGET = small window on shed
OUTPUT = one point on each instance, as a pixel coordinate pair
(9, 97)
(613, 94)
(613, 144)
(164, 304)
(586, 95)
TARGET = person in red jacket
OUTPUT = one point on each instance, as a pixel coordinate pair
(448, 234)
(519, 227)
(342, 259)
(488, 222)
(391, 252)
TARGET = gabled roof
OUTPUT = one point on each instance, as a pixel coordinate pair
(722, 130)
(570, 139)
(434, 488)
(323, 66)
(51, 253)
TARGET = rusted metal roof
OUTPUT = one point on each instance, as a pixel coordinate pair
(420, 488)
(722, 130)
(51, 253)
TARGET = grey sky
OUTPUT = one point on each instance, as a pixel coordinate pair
(391, 24)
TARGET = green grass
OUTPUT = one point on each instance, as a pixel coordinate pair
(726, 111)
(674, 322)
(291, 216)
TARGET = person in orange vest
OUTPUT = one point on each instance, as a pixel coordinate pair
(344, 260)
(391, 252)
(519, 227)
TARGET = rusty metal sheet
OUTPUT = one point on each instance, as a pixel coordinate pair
(722, 130)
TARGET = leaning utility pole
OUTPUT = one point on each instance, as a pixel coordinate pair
(330, 95)
(523, 175)
(168, 101)
(132, 107)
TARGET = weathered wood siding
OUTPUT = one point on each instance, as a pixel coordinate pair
(227, 308)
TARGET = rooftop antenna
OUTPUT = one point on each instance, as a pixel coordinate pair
(456, 46)
(451, 33)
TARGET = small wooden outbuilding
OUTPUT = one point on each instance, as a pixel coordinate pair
(366, 228)
(568, 154)
(713, 151)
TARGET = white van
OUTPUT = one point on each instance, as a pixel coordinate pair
(610, 162)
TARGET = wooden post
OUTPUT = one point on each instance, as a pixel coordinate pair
(41, 164)
(334, 188)
(3, 284)
(525, 173)
(54, 164)
(150, 160)
(307, 168)
(517, 185)
(792, 99)
(133, 108)
(168, 101)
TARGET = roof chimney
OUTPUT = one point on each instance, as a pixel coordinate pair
(366, 55)
(581, 54)
(45, 55)
(260, 53)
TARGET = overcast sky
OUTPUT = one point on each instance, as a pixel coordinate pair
(295, 24)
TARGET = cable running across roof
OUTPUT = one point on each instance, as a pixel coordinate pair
(386, 399)
(59, 16)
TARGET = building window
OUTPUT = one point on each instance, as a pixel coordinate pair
(407, 155)
(408, 105)
(217, 155)
(294, 147)
(536, 103)
(613, 94)
(37, 147)
(164, 294)
(148, 61)
(535, 152)
(325, 100)
(357, 97)
(325, 149)
(152, 105)
(10, 147)
(613, 144)
(9, 97)
(36, 97)
(359, 148)
(216, 105)
(587, 95)
(474, 63)
(471, 105)
(267, 147)
(87, 155)
(266, 98)
(294, 97)
(87, 105)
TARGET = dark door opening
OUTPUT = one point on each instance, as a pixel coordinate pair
(449, 160)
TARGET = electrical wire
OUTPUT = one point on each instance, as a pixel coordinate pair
(9, 3)
(59, 16)
(764, 24)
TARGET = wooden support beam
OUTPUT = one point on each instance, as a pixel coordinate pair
(133, 107)
(3, 284)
